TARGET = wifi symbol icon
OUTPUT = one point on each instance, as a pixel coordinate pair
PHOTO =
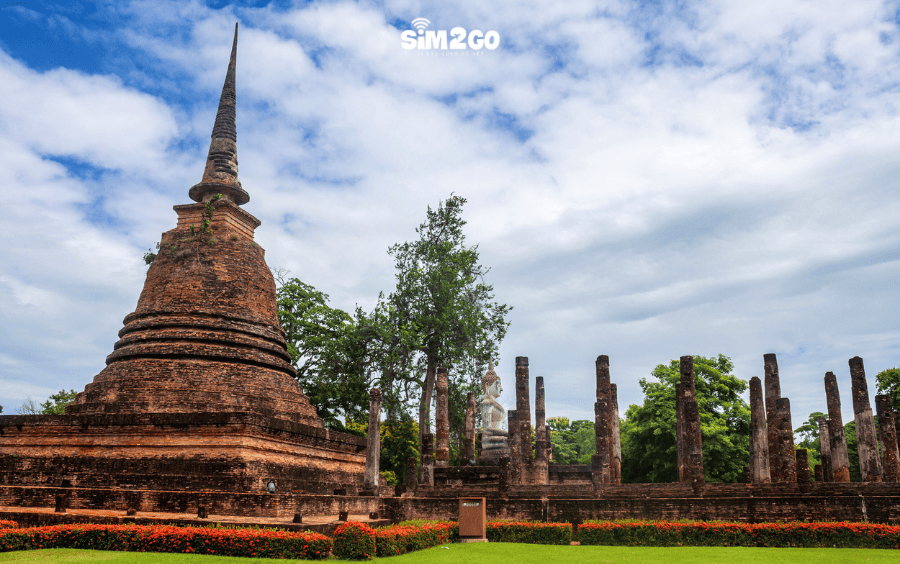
(420, 24)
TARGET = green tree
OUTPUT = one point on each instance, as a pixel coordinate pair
(338, 356)
(888, 382)
(55, 405)
(648, 432)
(317, 339)
(442, 312)
(573, 442)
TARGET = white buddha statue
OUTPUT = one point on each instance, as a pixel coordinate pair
(494, 440)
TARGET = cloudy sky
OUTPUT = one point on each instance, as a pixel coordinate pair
(645, 179)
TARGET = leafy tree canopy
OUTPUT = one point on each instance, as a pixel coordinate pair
(888, 382)
(648, 432)
(317, 339)
(573, 442)
(808, 433)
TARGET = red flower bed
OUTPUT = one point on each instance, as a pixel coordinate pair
(809, 535)
(8, 524)
(358, 541)
(391, 541)
(354, 541)
(262, 543)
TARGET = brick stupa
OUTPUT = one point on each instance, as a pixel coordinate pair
(198, 394)
(205, 335)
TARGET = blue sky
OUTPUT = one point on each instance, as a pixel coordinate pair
(645, 179)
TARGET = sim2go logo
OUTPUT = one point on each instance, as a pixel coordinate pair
(423, 38)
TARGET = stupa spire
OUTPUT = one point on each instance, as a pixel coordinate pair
(221, 173)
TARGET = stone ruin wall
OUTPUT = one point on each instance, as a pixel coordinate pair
(779, 483)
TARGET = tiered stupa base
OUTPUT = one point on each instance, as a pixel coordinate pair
(172, 458)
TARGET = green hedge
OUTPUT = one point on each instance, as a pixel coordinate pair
(529, 532)
(807, 535)
(262, 543)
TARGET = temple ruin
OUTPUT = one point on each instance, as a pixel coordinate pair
(198, 412)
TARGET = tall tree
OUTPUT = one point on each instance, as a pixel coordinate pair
(442, 311)
(648, 433)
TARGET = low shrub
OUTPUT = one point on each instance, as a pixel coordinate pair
(532, 533)
(808, 535)
(262, 543)
(8, 524)
(354, 541)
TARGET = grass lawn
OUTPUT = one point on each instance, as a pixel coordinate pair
(490, 553)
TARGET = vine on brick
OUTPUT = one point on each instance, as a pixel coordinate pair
(200, 234)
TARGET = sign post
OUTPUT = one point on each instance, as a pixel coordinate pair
(472, 519)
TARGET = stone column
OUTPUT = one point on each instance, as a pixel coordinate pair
(787, 458)
(411, 475)
(541, 466)
(428, 459)
(442, 420)
(600, 460)
(887, 432)
(373, 442)
(869, 463)
(773, 393)
(615, 464)
(515, 449)
(469, 441)
(840, 460)
(801, 463)
(693, 443)
(759, 444)
(679, 431)
(825, 451)
(523, 409)
(602, 421)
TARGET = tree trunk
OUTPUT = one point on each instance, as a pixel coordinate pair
(425, 405)
(391, 403)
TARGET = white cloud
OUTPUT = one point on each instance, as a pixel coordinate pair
(645, 184)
